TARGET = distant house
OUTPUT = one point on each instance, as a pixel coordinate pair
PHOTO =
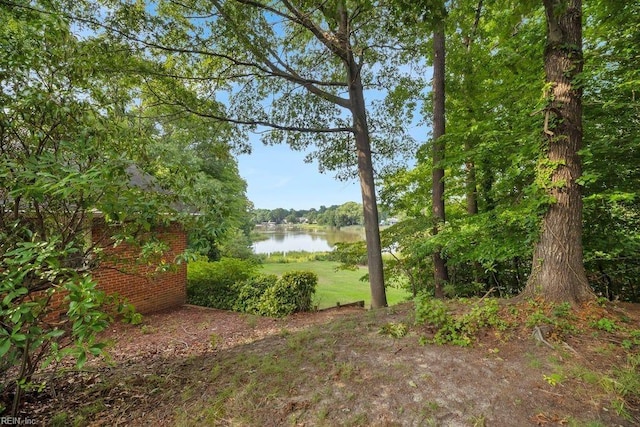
(389, 221)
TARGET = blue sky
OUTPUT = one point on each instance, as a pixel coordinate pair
(278, 177)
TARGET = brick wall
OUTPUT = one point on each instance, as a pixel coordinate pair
(146, 289)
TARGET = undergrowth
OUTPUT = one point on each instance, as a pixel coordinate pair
(560, 322)
(624, 384)
(454, 329)
(323, 375)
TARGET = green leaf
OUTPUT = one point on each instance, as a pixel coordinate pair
(18, 338)
(81, 359)
(97, 349)
(5, 345)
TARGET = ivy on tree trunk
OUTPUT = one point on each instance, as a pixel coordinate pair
(558, 272)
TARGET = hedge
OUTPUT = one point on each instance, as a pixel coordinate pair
(233, 284)
(213, 284)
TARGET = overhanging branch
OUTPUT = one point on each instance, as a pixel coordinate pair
(288, 73)
(246, 122)
(191, 51)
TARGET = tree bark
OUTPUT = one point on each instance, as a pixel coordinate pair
(558, 273)
(440, 273)
(365, 174)
(370, 208)
(471, 187)
(470, 182)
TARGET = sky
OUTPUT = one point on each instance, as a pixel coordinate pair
(278, 177)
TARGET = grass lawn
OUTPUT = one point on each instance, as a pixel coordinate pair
(343, 286)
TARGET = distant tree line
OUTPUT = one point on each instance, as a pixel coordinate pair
(349, 213)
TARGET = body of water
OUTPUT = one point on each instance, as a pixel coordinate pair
(283, 240)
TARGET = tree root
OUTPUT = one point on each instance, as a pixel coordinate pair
(537, 334)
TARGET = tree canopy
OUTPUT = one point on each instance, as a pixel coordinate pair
(349, 213)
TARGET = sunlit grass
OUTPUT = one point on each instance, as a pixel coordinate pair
(336, 286)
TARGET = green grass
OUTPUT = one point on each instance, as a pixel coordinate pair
(343, 286)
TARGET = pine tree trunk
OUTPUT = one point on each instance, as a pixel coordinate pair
(441, 275)
(557, 270)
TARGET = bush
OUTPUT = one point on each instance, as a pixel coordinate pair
(302, 285)
(290, 294)
(250, 292)
(431, 311)
(457, 329)
(276, 301)
(213, 284)
(28, 339)
(233, 284)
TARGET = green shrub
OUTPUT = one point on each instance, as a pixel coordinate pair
(431, 311)
(276, 302)
(291, 293)
(250, 292)
(457, 329)
(233, 284)
(304, 285)
(213, 284)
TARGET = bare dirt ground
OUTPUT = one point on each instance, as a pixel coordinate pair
(196, 366)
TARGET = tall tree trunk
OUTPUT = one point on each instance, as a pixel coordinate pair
(370, 209)
(557, 270)
(470, 182)
(367, 183)
(441, 275)
(471, 188)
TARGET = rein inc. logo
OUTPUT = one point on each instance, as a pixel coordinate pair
(17, 421)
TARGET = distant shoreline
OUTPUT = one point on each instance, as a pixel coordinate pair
(305, 227)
